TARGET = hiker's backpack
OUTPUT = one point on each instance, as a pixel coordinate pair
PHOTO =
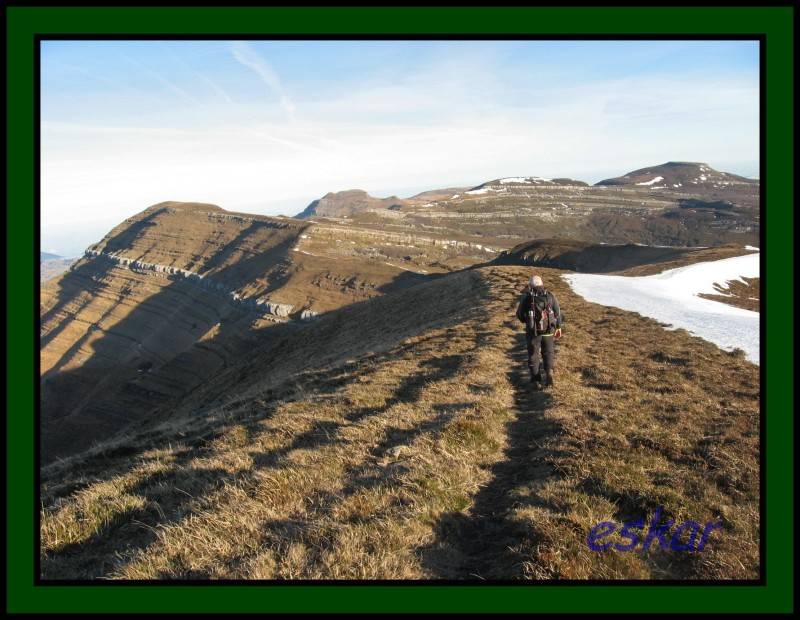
(541, 318)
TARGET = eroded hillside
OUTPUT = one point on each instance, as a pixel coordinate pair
(397, 438)
(177, 293)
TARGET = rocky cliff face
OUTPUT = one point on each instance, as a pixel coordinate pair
(170, 297)
(258, 305)
(164, 300)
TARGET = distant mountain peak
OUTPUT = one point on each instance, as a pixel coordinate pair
(677, 174)
(346, 203)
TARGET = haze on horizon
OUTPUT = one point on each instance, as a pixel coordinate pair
(267, 126)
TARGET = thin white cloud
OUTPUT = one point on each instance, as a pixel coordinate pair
(113, 85)
(221, 92)
(166, 83)
(244, 53)
(216, 87)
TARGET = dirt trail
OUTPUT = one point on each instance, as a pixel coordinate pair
(489, 541)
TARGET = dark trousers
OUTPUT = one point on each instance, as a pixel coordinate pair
(543, 345)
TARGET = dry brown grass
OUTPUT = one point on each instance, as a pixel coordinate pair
(738, 293)
(421, 453)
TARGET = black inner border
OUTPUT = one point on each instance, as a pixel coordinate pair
(761, 38)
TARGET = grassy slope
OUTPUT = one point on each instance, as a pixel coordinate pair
(691, 257)
(421, 453)
(738, 294)
(629, 260)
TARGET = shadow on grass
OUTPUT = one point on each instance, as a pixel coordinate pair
(174, 495)
(480, 544)
(169, 498)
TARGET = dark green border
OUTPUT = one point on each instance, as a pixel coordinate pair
(23, 23)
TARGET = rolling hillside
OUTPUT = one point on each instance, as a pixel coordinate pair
(628, 259)
(673, 204)
(180, 291)
(397, 438)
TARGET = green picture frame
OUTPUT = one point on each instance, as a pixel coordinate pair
(27, 24)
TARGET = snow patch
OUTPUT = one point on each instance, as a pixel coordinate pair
(672, 297)
(651, 181)
(527, 180)
(421, 271)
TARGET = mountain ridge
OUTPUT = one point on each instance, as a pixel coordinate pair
(173, 294)
(678, 174)
(411, 448)
(675, 203)
(346, 203)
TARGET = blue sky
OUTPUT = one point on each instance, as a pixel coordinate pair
(267, 126)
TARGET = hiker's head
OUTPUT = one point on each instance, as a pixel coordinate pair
(535, 282)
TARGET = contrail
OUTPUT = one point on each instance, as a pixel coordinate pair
(164, 81)
(247, 56)
(200, 75)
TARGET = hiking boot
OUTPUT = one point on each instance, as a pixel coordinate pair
(536, 385)
(548, 379)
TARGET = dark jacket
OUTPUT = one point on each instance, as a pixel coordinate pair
(525, 305)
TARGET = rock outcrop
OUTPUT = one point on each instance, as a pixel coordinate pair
(178, 288)
(260, 305)
(347, 203)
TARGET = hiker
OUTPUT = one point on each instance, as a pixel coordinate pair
(540, 312)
